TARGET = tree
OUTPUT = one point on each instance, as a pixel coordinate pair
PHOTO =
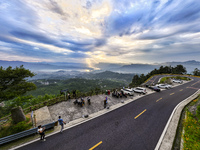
(13, 83)
(179, 69)
(196, 72)
(135, 81)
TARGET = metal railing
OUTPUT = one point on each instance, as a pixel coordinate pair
(22, 134)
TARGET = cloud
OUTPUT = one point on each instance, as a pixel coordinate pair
(56, 8)
(100, 30)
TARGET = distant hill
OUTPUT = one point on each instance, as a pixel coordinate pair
(146, 68)
(43, 66)
(73, 69)
(109, 76)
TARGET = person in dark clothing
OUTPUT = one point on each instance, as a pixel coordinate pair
(88, 99)
(74, 94)
(68, 95)
(105, 102)
(83, 101)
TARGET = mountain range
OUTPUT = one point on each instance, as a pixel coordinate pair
(69, 70)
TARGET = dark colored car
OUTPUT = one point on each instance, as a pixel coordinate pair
(155, 88)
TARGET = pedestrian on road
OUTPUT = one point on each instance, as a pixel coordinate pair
(61, 122)
(41, 132)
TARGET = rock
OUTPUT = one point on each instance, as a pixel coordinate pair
(17, 115)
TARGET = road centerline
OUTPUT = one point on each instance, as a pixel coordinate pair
(140, 114)
(171, 93)
(195, 83)
(181, 90)
(95, 145)
(159, 99)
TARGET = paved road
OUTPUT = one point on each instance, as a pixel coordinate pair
(136, 126)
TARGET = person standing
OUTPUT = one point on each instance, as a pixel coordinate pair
(68, 95)
(88, 99)
(61, 122)
(74, 93)
(41, 132)
(105, 102)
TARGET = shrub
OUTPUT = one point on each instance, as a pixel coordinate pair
(12, 129)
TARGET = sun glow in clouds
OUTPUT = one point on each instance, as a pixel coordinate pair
(90, 31)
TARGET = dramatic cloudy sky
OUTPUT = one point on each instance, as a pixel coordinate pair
(92, 31)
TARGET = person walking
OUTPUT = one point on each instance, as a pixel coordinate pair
(41, 132)
(61, 122)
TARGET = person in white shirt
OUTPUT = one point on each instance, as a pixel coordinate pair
(41, 132)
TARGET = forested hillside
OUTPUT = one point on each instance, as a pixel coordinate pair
(82, 85)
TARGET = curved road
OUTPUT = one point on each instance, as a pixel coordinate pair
(136, 126)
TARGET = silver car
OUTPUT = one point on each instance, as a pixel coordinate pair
(164, 86)
(139, 90)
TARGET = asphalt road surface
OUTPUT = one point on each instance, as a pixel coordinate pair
(136, 126)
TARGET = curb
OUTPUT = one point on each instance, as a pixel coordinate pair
(167, 138)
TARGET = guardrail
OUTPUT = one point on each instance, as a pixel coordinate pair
(22, 134)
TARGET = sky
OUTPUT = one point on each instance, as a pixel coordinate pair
(93, 31)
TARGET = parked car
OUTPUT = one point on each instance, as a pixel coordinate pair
(177, 81)
(139, 90)
(164, 86)
(155, 88)
(129, 92)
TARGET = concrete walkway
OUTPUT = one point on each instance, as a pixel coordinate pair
(70, 112)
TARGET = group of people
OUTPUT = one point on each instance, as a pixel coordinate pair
(60, 120)
(42, 129)
(82, 102)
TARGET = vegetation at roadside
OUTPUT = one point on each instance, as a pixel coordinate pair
(196, 72)
(10, 128)
(138, 80)
(191, 126)
(165, 79)
(13, 83)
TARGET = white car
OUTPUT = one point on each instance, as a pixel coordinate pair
(139, 90)
(177, 81)
(164, 86)
(128, 92)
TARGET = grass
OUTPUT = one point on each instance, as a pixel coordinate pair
(191, 134)
(187, 128)
(166, 79)
(191, 126)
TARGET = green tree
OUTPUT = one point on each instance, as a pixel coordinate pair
(135, 81)
(13, 83)
(179, 69)
(196, 72)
